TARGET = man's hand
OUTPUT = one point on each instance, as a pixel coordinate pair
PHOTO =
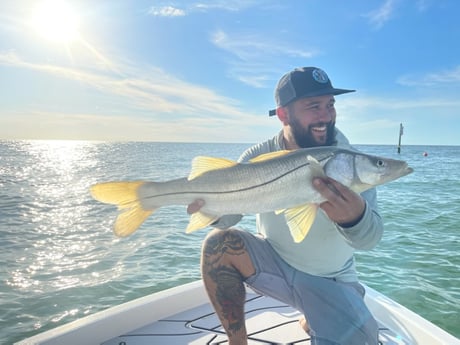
(195, 206)
(343, 206)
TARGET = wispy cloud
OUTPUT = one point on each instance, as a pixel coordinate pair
(366, 105)
(152, 103)
(143, 88)
(189, 7)
(251, 54)
(432, 79)
(249, 46)
(87, 126)
(358, 116)
(166, 11)
(225, 5)
(383, 14)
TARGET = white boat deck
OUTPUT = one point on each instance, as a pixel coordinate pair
(267, 321)
(183, 315)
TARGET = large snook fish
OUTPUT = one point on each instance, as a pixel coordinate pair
(280, 181)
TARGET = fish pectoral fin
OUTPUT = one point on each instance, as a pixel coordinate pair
(198, 221)
(270, 155)
(202, 164)
(300, 219)
(315, 167)
(124, 195)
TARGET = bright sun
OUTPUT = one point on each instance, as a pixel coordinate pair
(56, 21)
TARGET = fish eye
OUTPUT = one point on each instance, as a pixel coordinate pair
(380, 163)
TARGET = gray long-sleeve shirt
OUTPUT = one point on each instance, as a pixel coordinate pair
(328, 248)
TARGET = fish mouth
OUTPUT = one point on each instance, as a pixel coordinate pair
(406, 170)
(409, 170)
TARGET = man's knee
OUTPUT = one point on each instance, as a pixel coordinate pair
(227, 248)
(221, 242)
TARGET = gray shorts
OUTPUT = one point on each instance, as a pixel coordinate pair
(335, 311)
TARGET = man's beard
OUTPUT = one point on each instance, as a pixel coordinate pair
(304, 137)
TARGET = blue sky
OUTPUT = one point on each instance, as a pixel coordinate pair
(205, 71)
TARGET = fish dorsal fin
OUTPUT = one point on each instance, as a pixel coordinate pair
(202, 164)
(300, 219)
(270, 155)
(199, 221)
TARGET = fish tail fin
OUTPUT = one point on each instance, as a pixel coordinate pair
(124, 195)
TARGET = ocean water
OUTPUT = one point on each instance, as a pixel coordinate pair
(60, 261)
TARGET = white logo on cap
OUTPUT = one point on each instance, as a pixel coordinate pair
(320, 76)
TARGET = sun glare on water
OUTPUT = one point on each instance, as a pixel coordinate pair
(56, 21)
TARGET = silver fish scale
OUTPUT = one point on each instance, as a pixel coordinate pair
(244, 188)
(268, 185)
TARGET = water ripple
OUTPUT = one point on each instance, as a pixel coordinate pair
(60, 260)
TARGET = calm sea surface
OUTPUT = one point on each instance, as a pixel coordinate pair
(59, 260)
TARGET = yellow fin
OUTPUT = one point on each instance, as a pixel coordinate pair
(117, 193)
(124, 195)
(270, 155)
(202, 164)
(300, 219)
(130, 219)
(198, 221)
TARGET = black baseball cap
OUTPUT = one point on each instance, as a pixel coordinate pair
(303, 82)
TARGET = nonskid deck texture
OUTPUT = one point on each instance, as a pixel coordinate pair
(267, 320)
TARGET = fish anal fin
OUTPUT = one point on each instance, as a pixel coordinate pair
(202, 164)
(300, 219)
(270, 155)
(198, 221)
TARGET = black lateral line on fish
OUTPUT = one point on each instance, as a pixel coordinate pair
(232, 191)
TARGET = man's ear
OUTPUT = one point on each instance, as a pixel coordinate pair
(282, 113)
